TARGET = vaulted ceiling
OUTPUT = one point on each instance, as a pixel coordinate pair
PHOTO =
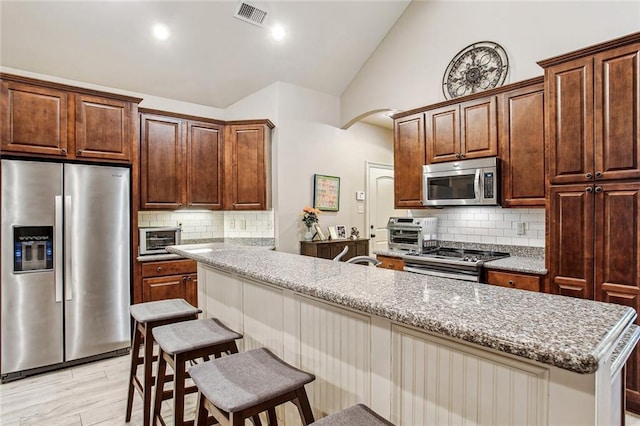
(211, 57)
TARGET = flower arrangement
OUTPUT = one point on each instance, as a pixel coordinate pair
(310, 216)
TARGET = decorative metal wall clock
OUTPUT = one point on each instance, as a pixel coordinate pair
(477, 67)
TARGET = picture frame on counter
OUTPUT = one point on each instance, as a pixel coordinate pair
(332, 232)
(326, 193)
(341, 232)
(318, 232)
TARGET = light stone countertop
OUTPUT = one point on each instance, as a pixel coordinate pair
(566, 332)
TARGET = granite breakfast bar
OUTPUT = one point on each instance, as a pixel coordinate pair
(420, 349)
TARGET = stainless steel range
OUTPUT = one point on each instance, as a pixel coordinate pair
(462, 264)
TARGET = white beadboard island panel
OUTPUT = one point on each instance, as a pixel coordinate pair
(499, 356)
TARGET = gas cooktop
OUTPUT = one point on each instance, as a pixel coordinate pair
(465, 255)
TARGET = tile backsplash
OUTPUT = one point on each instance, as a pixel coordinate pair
(489, 225)
(212, 224)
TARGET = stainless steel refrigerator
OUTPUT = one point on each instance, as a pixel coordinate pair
(65, 289)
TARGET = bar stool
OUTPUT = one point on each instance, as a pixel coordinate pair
(356, 415)
(182, 342)
(146, 316)
(236, 387)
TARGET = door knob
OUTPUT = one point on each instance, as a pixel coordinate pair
(373, 235)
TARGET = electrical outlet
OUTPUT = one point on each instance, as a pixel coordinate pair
(521, 228)
(360, 209)
(232, 224)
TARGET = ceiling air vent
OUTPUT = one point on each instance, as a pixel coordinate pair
(250, 14)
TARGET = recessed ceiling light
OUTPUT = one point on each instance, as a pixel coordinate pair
(161, 31)
(278, 33)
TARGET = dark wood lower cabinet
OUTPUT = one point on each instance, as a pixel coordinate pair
(330, 249)
(593, 251)
(171, 279)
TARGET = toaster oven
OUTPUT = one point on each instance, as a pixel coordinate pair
(155, 240)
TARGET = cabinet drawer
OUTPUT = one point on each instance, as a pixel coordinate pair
(169, 267)
(389, 262)
(512, 280)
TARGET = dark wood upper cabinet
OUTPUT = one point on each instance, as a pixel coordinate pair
(521, 141)
(593, 114)
(34, 119)
(408, 158)
(103, 128)
(45, 119)
(204, 162)
(162, 174)
(617, 113)
(247, 146)
(462, 131)
(193, 162)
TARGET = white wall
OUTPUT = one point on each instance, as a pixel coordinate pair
(307, 141)
(406, 70)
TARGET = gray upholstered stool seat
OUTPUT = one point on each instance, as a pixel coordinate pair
(180, 343)
(242, 385)
(357, 415)
(192, 335)
(147, 316)
(162, 310)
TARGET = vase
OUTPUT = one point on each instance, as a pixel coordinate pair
(308, 236)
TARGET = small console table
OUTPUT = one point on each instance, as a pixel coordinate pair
(330, 249)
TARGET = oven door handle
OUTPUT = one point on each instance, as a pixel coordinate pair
(476, 185)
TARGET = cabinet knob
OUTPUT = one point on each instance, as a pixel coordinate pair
(63, 151)
(462, 155)
(158, 269)
(511, 282)
(589, 176)
(598, 189)
(79, 152)
(189, 278)
(588, 189)
(598, 175)
(184, 278)
(458, 155)
(180, 204)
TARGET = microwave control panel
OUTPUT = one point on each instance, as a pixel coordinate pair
(488, 185)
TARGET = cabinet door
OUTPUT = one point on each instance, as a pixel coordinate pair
(161, 168)
(204, 165)
(522, 147)
(571, 240)
(191, 289)
(617, 251)
(569, 111)
(478, 128)
(162, 288)
(246, 183)
(443, 134)
(103, 128)
(617, 116)
(408, 159)
(34, 119)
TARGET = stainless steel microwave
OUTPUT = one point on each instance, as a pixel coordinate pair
(461, 183)
(154, 240)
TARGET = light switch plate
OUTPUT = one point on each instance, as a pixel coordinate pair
(359, 195)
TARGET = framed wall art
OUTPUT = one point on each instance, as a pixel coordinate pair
(326, 193)
(341, 232)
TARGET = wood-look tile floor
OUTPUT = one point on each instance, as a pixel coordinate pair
(87, 395)
(84, 395)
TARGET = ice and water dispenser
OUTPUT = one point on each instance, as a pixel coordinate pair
(33, 248)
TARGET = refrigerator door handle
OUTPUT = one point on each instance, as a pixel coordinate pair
(68, 252)
(58, 247)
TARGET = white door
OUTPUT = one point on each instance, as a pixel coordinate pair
(379, 204)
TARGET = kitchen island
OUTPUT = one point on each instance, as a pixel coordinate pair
(421, 349)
